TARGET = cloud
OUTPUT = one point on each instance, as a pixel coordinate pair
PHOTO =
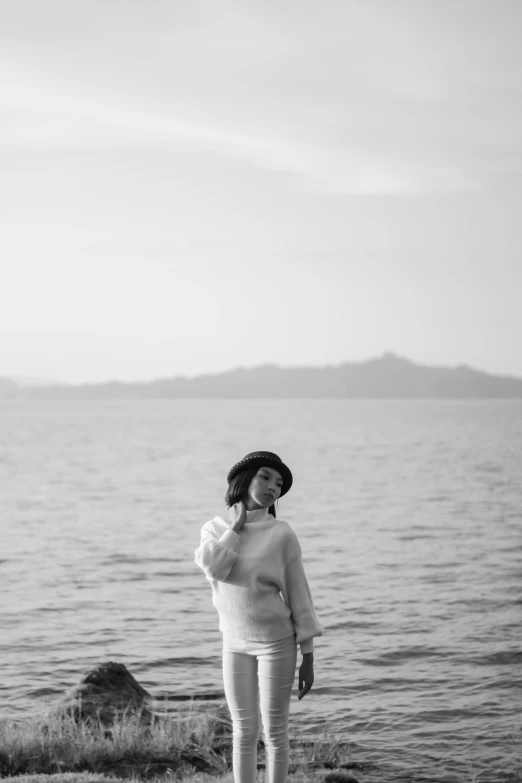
(36, 117)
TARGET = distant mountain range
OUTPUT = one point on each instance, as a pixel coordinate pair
(388, 376)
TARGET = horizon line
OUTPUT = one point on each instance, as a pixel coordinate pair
(29, 382)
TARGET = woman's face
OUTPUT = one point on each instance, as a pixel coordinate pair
(265, 488)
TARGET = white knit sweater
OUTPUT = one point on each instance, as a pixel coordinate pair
(259, 587)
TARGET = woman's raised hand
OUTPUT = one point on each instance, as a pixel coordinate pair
(237, 516)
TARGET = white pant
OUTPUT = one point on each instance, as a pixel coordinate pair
(259, 674)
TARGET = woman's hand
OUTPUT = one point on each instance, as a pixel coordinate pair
(237, 516)
(306, 675)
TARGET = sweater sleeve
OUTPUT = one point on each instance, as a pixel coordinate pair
(296, 593)
(216, 556)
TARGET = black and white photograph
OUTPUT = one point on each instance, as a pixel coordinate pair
(261, 391)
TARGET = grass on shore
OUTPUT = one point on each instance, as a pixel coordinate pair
(194, 746)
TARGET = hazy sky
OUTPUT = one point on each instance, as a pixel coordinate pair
(191, 186)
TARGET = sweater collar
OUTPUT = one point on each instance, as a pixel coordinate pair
(258, 515)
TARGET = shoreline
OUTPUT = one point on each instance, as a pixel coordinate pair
(197, 742)
(195, 746)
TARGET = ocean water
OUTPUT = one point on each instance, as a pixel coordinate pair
(409, 514)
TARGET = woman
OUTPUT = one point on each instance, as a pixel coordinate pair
(259, 588)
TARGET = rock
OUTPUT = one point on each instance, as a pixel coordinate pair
(339, 777)
(106, 694)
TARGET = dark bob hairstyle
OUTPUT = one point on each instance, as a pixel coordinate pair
(238, 489)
